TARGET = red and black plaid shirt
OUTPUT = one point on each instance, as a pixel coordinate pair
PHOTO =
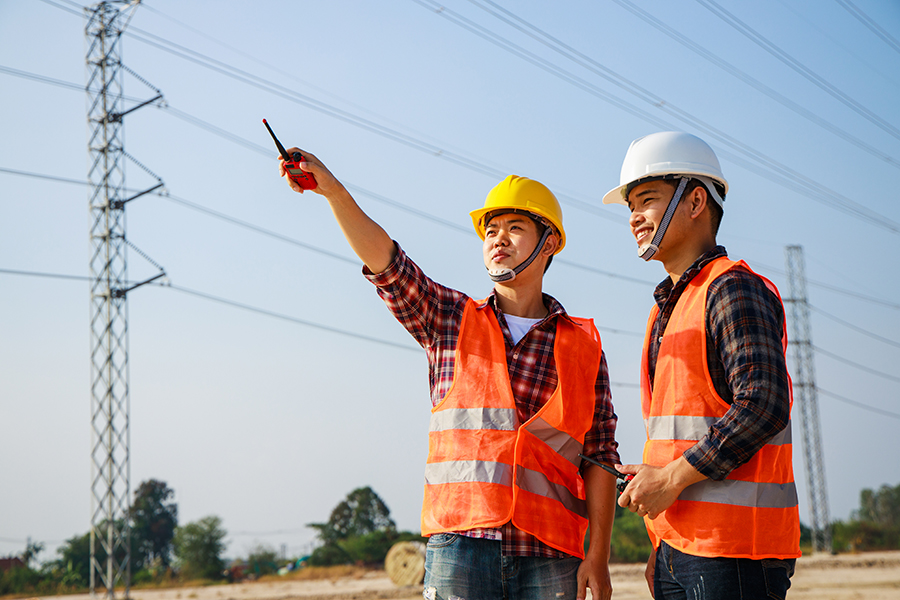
(432, 314)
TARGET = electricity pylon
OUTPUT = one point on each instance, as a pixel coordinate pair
(806, 398)
(110, 464)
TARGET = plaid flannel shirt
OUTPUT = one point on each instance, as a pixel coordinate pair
(432, 314)
(744, 327)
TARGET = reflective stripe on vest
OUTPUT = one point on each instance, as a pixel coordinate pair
(484, 469)
(563, 443)
(537, 483)
(468, 471)
(742, 493)
(502, 419)
(753, 512)
(681, 427)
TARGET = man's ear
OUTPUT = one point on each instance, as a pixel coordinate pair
(698, 200)
(550, 245)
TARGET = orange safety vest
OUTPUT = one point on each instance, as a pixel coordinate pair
(753, 512)
(484, 469)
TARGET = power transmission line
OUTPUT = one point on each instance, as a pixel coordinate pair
(424, 215)
(265, 151)
(759, 163)
(871, 23)
(874, 336)
(799, 67)
(839, 42)
(833, 288)
(867, 407)
(476, 164)
(284, 317)
(268, 313)
(747, 156)
(847, 361)
(237, 139)
(782, 175)
(47, 275)
(715, 59)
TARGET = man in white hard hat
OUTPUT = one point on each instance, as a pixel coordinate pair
(519, 389)
(716, 487)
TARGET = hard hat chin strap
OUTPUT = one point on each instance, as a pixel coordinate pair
(649, 251)
(506, 274)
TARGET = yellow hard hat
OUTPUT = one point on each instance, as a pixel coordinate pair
(522, 194)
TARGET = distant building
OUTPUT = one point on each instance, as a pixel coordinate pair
(13, 562)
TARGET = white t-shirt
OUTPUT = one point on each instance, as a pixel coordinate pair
(519, 326)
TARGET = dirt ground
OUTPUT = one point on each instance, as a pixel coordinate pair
(872, 576)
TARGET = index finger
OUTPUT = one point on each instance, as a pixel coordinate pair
(629, 469)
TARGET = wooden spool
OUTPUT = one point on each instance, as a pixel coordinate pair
(405, 563)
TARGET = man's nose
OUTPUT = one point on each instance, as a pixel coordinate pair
(635, 218)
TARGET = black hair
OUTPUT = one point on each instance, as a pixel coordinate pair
(715, 210)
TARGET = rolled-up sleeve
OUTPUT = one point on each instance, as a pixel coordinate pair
(422, 306)
(745, 322)
(600, 441)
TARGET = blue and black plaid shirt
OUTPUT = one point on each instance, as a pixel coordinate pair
(744, 327)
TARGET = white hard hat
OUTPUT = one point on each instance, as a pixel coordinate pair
(669, 153)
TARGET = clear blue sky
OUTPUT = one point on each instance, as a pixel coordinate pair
(269, 423)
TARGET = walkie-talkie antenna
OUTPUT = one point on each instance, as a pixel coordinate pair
(281, 149)
(292, 168)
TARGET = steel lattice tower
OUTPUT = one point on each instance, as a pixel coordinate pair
(110, 463)
(807, 398)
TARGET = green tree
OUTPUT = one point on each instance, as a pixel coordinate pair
(75, 560)
(153, 522)
(262, 561)
(630, 542)
(32, 549)
(198, 548)
(360, 530)
(880, 507)
(360, 513)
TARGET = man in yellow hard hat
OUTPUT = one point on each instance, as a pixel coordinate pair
(518, 390)
(716, 487)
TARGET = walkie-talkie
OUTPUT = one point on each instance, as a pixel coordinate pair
(292, 165)
(619, 485)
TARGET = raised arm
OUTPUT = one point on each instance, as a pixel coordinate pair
(368, 240)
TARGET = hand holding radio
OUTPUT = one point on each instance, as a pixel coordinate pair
(619, 485)
(291, 165)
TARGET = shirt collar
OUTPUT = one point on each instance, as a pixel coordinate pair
(665, 288)
(553, 306)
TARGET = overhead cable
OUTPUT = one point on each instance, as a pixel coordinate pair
(284, 317)
(377, 197)
(856, 328)
(478, 165)
(799, 67)
(265, 151)
(871, 23)
(855, 364)
(717, 60)
(262, 311)
(747, 156)
(868, 407)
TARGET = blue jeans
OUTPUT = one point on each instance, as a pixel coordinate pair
(682, 576)
(463, 568)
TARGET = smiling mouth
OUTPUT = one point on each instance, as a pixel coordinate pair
(642, 234)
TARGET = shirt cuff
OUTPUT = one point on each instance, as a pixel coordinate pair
(390, 275)
(702, 456)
